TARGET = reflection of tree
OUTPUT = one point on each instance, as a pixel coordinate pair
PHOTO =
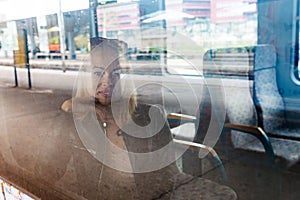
(54, 40)
(81, 42)
(81, 30)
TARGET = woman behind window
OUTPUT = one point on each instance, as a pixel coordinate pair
(131, 142)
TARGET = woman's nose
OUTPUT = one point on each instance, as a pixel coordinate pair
(105, 79)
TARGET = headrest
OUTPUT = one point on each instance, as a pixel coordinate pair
(264, 57)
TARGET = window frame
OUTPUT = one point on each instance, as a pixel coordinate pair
(295, 71)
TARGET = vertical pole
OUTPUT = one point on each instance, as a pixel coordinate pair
(93, 18)
(16, 77)
(3, 191)
(61, 25)
(30, 31)
(69, 29)
(27, 57)
(164, 26)
(104, 24)
(71, 45)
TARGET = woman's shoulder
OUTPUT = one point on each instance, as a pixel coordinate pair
(77, 102)
(67, 105)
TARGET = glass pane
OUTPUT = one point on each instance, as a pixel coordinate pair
(184, 66)
(206, 24)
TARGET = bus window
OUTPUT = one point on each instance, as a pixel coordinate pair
(197, 60)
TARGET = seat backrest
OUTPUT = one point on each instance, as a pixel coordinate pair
(240, 109)
(268, 101)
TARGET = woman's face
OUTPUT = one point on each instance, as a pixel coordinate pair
(105, 79)
(105, 72)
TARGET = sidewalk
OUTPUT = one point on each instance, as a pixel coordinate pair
(136, 67)
(49, 63)
(37, 142)
(147, 67)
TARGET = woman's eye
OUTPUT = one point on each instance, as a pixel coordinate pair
(97, 74)
(116, 73)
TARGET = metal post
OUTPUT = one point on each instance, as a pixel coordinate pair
(93, 18)
(3, 191)
(27, 57)
(69, 28)
(31, 31)
(71, 45)
(162, 6)
(16, 77)
(61, 25)
(104, 24)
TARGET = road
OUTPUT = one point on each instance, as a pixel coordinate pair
(40, 78)
(180, 93)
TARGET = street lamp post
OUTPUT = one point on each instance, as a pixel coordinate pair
(93, 18)
(69, 28)
(61, 35)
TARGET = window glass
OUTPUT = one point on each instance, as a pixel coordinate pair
(146, 26)
(208, 24)
(190, 57)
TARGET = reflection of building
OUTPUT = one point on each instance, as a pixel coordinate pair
(223, 11)
(125, 16)
(118, 17)
(198, 19)
(218, 11)
(197, 8)
(76, 30)
(52, 21)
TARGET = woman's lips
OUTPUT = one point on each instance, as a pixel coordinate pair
(106, 94)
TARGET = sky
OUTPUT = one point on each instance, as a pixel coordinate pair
(19, 9)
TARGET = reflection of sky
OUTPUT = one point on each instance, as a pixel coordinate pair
(18, 9)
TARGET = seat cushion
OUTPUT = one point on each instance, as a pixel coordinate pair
(287, 149)
(199, 188)
(287, 131)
